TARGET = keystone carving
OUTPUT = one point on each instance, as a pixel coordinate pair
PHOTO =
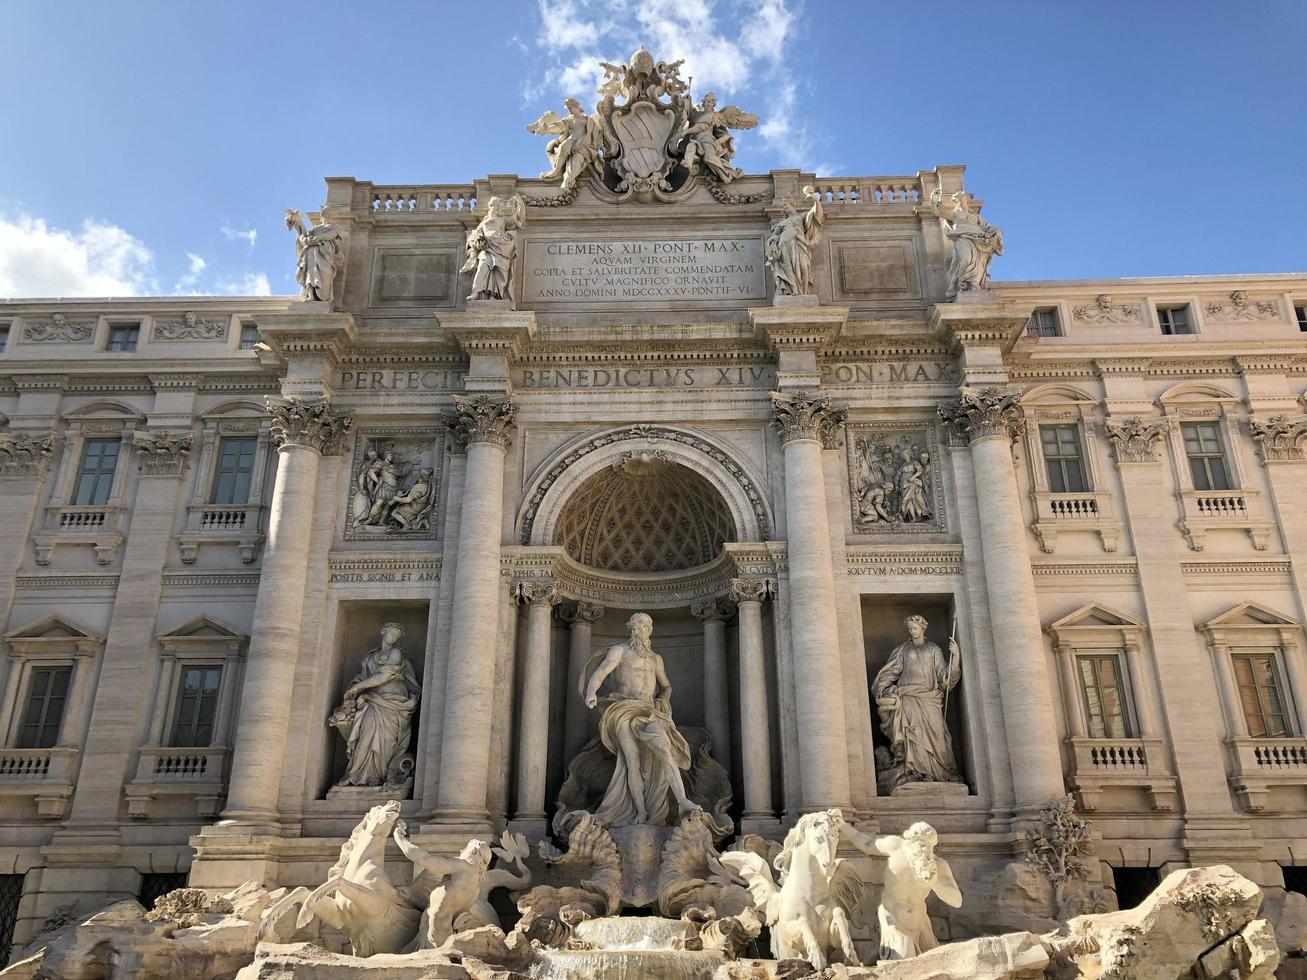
(985, 413)
(804, 415)
(163, 453)
(482, 418)
(1279, 438)
(1134, 440)
(310, 424)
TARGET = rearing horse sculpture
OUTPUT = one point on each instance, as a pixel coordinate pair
(809, 911)
(357, 896)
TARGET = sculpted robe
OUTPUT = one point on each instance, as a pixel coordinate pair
(918, 675)
(381, 729)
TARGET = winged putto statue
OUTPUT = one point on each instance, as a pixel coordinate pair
(708, 140)
(577, 139)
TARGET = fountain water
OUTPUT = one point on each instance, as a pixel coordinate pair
(629, 948)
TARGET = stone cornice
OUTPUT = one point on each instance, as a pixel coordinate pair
(968, 324)
(300, 333)
(494, 330)
(798, 327)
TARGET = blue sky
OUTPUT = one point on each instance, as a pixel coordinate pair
(152, 146)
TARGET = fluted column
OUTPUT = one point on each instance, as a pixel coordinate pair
(533, 710)
(716, 698)
(581, 617)
(804, 423)
(755, 729)
(482, 423)
(303, 431)
(990, 419)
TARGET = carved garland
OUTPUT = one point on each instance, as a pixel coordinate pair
(723, 196)
(647, 432)
(1134, 440)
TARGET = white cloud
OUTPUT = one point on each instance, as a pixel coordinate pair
(249, 284)
(249, 235)
(187, 282)
(99, 260)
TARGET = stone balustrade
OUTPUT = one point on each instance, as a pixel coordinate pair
(163, 772)
(1206, 510)
(43, 775)
(425, 199)
(868, 190)
(1100, 765)
(1261, 764)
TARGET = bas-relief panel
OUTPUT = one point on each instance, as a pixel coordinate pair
(894, 480)
(394, 483)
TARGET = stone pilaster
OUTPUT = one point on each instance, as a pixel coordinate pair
(304, 431)
(755, 713)
(533, 709)
(713, 613)
(805, 422)
(989, 419)
(580, 617)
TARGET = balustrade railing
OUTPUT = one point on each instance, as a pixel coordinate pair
(223, 518)
(1220, 504)
(868, 190)
(1281, 754)
(1075, 507)
(25, 764)
(82, 519)
(1118, 755)
(426, 199)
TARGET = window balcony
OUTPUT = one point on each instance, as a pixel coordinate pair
(1261, 764)
(195, 773)
(43, 775)
(1056, 513)
(236, 524)
(1206, 510)
(1099, 764)
(100, 527)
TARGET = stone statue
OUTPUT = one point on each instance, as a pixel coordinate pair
(375, 716)
(637, 728)
(491, 246)
(910, 691)
(708, 141)
(317, 254)
(975, 241)
(576, 143)
(789, 246)
(810, 910)
(911, 874)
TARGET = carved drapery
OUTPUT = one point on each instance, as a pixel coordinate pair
(985, 413)
(805, 415)
(1280, 438)
(22, 454)
(482, 418)
(1134, 440)
(163, 453)
(311, 424)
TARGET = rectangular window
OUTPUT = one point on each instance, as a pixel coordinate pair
(1066, 469)
(249, 335)
(4, 338)
(123, 337)
(1174, 320)
(1301, 313)
(46, 693)
(1261, 694)
(1202, 444)
(197, 705)
(1043, 323)
(95, 475)
(1104, 694)
(231, 481)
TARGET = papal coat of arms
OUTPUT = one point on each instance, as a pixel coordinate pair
(646, 138)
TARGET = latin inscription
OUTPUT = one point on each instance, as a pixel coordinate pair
(401, 379)
(888, 372)
(644, 271)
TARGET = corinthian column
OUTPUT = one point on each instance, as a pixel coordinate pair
(989, 419)
(581, 618)
(805, 422)
(755, 730)
(303, 431)
(533, 710)
(716, 699)
(481, 423)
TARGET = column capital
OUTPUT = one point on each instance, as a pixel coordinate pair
(310, 424)
(482, 418)
(542, 592)
(985, 413)
(1279, 438)
(163, 453)
(25, 453)
(1134, 440)
(709, 610)
(586, 613)
(806, 415)
(751, 590)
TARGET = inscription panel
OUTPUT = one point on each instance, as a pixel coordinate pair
(590, 272)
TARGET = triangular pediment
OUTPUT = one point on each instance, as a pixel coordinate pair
(1250, 614)
(52, 627)
(1095, 614)
(202, 627)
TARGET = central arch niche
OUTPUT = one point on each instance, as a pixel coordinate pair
(644, 513)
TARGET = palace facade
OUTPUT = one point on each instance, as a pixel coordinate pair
(210, 507)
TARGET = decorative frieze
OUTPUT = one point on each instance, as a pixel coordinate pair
(1134, 440)
(985, 413)
(1279, 438)
(310, 424)
(190, 327)
(59, 329)
(163, 453)
(22, 454)
(894, 479)
(805, 415)
(395, 484)
(482, 418)
(1240, 307)
(1105, 311)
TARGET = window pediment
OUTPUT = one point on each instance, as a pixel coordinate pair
(53, 635)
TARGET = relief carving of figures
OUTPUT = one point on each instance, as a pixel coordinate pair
(1240, 308)
(190, 327)
(1103, 311)
(491, 246)
(911, 693)
(375, 717)
(317, 257)
(975, 241)
(708, 140)
(393, 491)
(789, 246)
(893, 480)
